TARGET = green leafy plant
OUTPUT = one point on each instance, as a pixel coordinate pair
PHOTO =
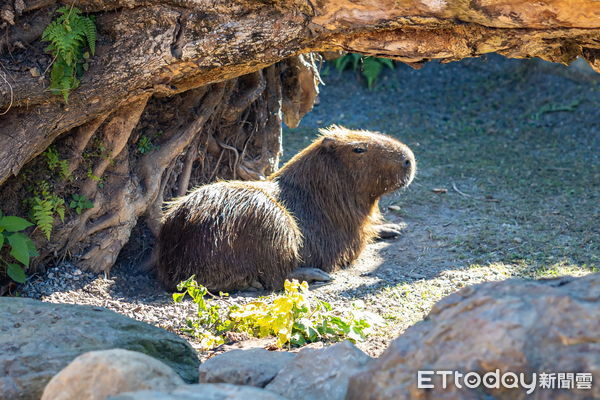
(371, 66)
(97, 150)
(21, 248)
(292, 317)
(347, 60)
(98, 179)
(80, 203)
(70, 34)
(55, 164)
(145, 145)
(45, 205)
(210, 324)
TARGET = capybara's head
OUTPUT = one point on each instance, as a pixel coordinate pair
(377, 163)
(355, 161)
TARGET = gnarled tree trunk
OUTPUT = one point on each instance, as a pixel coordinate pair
(183, 91)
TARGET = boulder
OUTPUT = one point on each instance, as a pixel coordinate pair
(39, 339)
(493, 329)
(207, 391)
(99, 374)
(319, 374)
(253, 367)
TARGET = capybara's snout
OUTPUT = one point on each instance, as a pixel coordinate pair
(405, 165)
(408, 165)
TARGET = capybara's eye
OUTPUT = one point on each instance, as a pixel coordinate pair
(359, 150)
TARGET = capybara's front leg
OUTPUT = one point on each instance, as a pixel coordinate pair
(309, 275)
(389, 231)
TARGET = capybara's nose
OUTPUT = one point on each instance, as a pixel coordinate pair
(407, 163)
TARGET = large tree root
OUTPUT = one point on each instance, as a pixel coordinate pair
(153, 149)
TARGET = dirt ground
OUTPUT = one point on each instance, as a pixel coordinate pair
(508, 185)
(517, 150)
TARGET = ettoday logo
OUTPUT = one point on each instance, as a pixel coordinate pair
(509, 380)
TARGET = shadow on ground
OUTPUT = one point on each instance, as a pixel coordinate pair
(508, 182)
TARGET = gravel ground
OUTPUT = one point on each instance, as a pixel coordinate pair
(514, 150)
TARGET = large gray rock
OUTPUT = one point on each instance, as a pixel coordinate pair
(207, 391)
(320, 374)
(99, 374)
(253, 367)
(39, 339)
(550, 326)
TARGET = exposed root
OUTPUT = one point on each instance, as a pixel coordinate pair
(301, 82)
(255, 85)
(228, 130)
(115, 136)
(4, 77)
(236, 154)
(79, 141)
(190, 157)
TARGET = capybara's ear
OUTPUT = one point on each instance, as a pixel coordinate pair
(328, 143)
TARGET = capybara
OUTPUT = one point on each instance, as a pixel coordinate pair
(318, 211)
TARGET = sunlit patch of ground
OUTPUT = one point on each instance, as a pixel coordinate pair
(518, 153)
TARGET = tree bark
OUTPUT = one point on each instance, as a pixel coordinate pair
(215, 76)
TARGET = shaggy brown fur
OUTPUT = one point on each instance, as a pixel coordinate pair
(319, 211)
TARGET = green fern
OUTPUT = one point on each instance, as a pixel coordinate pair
(343, 62)
(371, 66)
(69, 35)
(55, 164)
(44, 206)
(145, 145)
(58, 206)
(42, 215)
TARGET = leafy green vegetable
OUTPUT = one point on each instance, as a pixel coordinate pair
(292, 317)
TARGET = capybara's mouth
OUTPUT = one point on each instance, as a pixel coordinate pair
(404, 183)
(400, 183)
(405, 179)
